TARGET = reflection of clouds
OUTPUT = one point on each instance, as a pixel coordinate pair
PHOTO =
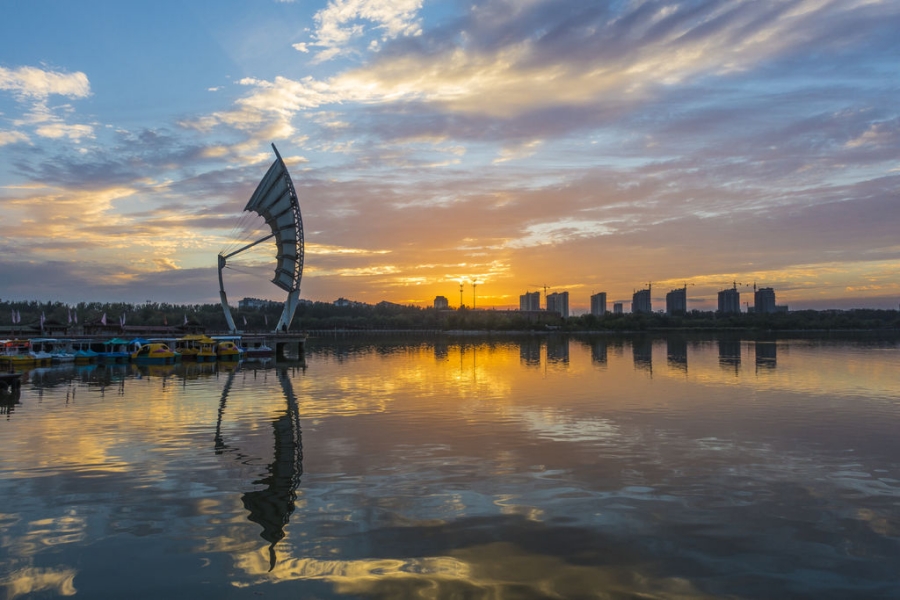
(44, 533)
(33, 580)
(40, 535)
(559, 426)
(490, 570)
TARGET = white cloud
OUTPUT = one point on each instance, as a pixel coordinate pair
(34, 86)
(508, 80)
(61, 130)
(518, 152)
(301, 47)
(878, 134)
(30, 82)
(345, 20)
(560, 231)
(12, 137)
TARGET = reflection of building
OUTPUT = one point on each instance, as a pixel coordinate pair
(676, 353)
(766, 356)
(642, 352)
(598, 304)
(617, 308)
(530, 353)
(530, 301)
(441, 303)
(730, 354)
(640, 302)
(730, 301)
(676, 301)
(558, 350)
(598, 351)
(764, 301)
(558, 302)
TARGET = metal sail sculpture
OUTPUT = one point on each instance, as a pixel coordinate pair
(275, 200)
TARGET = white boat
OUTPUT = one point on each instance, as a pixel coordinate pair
(59, 351)
(257, 349)
(41, 356)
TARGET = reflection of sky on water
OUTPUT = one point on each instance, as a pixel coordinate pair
(489, 470)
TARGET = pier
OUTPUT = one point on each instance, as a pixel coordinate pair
(283, 344)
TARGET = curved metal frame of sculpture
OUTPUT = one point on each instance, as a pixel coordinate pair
(275, 200)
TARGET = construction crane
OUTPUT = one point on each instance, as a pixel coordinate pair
(545, 287)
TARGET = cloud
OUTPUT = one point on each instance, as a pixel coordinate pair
(12, 137)
(531, 70)
(343, 21)
(31, 82)
(61, 130)
(34, 87)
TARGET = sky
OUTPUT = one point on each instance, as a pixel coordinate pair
(494, 146)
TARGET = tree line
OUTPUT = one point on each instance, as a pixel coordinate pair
(386, 316)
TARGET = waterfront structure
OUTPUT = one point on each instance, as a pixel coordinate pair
(640, 302)
(764, 301)
(254, 304)
(676, 302)
(441, 303)
(275, 200)
(730, 301)
(598, 304)
(558, 302)
(530, 301)
(617, 308)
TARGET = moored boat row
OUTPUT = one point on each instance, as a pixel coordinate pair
(200, 348)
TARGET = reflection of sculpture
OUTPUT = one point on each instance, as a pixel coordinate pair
(272, 507)
(220, 443)
(9, 397)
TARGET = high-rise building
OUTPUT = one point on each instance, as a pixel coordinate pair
(530, 301)
(441, 303)
(640, 302)
(617, 308)
(598, 304)
(676, 301)
(764, 301)
(558, 302)
(730, 301)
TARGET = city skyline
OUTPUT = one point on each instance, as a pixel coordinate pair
(581, 147)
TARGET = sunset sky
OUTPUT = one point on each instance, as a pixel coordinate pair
(583, 146)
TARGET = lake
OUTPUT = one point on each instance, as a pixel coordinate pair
(462, 467)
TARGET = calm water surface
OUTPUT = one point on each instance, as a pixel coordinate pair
(522, 468)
